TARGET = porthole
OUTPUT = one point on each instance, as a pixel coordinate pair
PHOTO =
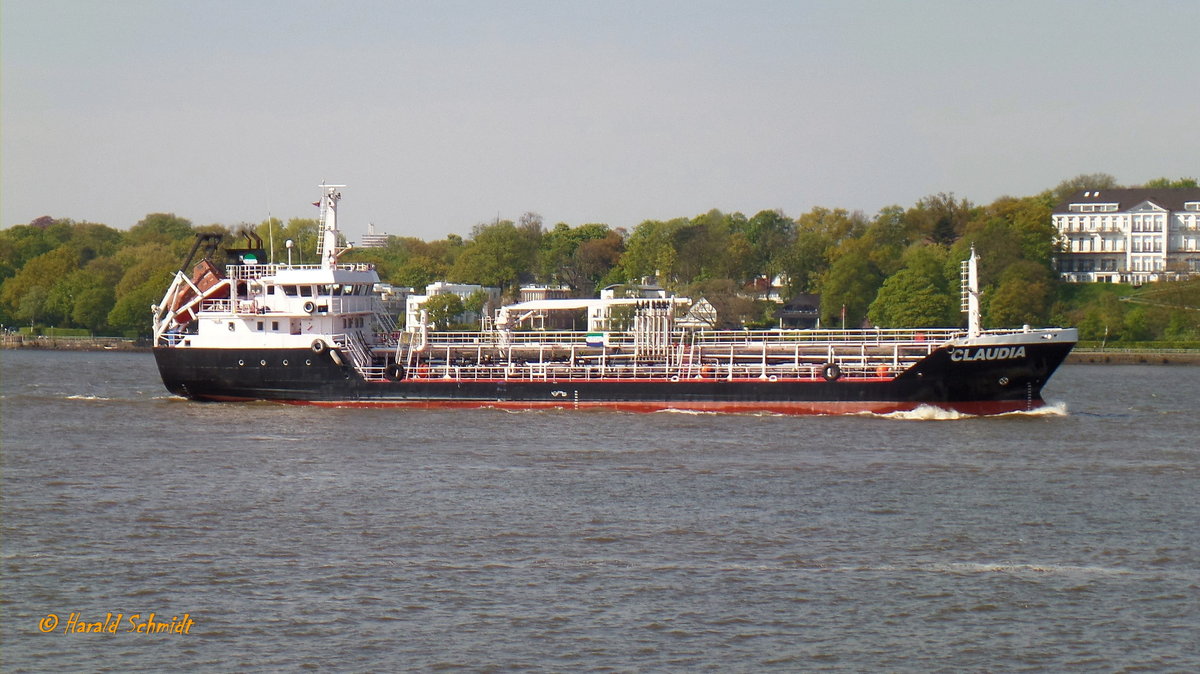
(241, 363)
(285, 363)
(307, 362)
(262, 362)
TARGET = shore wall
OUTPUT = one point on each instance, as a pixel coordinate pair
(1134, 357)
(71, 343)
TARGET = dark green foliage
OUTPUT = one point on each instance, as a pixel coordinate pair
(918, 295)
(443, 309)
(898, 268)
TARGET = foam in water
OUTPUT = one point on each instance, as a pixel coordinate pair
(924, 413)
(935, 413)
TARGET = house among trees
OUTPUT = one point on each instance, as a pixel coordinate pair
(700, 316)
(803, 312)
(554, 320)
(531, 293)
(1129, 235)
(633, 290)
(373, 240)
(450, 304)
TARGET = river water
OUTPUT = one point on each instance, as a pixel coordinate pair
(268, 537)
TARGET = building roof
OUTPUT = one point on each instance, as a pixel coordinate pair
(803, 304)
(1170, 199)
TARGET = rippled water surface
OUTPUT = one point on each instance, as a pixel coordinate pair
(360, 539)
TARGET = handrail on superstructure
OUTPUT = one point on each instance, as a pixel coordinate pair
(251, 272)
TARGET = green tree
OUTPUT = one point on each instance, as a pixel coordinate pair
(31, 305)
(302, 232)
(42, 273)
(147, 270)
(850, 285)
(768, 235)
(418, 271)
(918, 295)
(734, 309)
(441, 310)
(1084, 181)
(20, 244)
(161, 228)
(92, 307)
(701, 247)
(999, 246)
(650, 249)
(571, 257)
(498, 255)
(95, 293)
(594, 261)
(805, 260)
(1167, 183)
(131, 310)
(890, 234)
(1023, 296)
(940, 218)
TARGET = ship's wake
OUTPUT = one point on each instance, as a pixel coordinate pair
(936, 413)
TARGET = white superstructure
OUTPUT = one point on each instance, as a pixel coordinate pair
(259, 305)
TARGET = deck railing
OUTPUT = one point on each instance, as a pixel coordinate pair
(250, 272)
(703, 338)
(556, 372)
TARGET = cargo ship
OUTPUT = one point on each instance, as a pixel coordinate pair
(249, 329)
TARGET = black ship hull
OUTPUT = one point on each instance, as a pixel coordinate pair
(965, 379)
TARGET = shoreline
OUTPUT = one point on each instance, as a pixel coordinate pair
(1133, 357)
(1076, 357)
(72, 343)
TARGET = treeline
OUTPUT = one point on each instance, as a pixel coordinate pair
(899, 267)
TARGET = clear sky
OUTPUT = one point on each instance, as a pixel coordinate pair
(443, 114)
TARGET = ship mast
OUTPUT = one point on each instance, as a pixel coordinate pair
(970, 293)
(327, 243)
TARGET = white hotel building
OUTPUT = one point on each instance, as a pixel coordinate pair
(1129, 235)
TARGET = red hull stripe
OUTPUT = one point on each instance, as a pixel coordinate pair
(734, 407)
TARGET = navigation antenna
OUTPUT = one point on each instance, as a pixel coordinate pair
(970, 293)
